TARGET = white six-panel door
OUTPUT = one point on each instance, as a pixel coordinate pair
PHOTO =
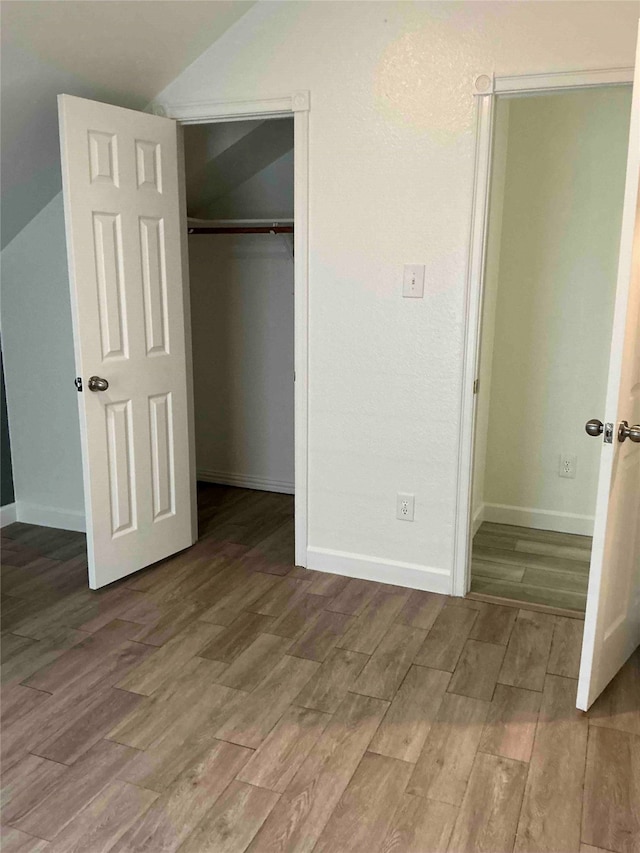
(122, 209)
(612, 618)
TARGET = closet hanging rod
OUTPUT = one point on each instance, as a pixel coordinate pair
(239, 226)
(240, 229)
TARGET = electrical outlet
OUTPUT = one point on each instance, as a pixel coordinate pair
(567, 466)
(405, 505)
(413, 281)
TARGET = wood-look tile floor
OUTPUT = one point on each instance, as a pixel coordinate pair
(536, 566)
(226, 701)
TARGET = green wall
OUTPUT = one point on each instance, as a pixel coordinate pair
(560, 231)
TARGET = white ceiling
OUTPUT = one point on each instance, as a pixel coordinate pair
(121, 51)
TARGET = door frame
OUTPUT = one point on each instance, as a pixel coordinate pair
(485, 89)
(295, 104)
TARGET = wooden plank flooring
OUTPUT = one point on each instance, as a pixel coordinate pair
(226, 701)
(535, 566)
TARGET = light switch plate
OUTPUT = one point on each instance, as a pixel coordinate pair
(413, 281)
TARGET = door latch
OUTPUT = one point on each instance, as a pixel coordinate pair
(78, 383)
(595, 427)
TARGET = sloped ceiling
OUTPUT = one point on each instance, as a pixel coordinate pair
(118, 51)
(240, 169)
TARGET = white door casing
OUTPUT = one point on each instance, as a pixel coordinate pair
(612, 618)
(296, 104)
(485, 89)
(126, 265)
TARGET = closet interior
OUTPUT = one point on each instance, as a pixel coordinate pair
(239, 191)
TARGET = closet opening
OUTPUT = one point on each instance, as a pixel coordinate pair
(550, 265)
(239, 183)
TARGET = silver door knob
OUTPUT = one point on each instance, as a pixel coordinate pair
(95, 383)
(625, 431)
(592, 427)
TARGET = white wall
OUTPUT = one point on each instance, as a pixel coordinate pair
(391, 155)
(489, 305)
(39, 372)
(558, 261)
(242, 326)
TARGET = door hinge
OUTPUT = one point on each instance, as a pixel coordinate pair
(476, 386)
(608, 433)
(78, 383)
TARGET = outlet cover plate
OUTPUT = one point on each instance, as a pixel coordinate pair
(405, 506)
(567, 466)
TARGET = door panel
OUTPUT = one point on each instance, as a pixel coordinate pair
(612, 618)
(161, 419)
(112, 309)
(122, 209)
(154, 281)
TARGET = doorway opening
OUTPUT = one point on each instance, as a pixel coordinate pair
(553, 229)
(239, 185)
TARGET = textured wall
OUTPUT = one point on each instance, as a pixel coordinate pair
(391, 159)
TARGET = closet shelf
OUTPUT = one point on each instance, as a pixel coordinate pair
(239, 226)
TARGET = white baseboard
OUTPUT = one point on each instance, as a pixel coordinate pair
(8, 514)
(50, 516)
(478, 518)
(540, 519)
(410, 575)
(245, 481)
